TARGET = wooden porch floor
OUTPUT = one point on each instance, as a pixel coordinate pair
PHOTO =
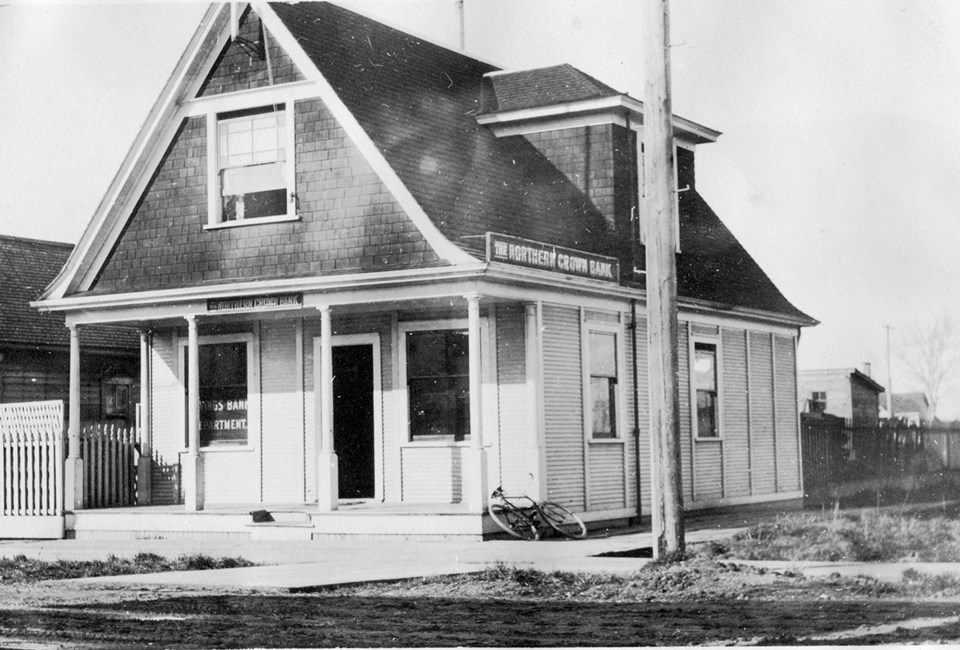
(286, 522)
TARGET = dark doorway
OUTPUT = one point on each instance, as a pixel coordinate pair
(353, 419)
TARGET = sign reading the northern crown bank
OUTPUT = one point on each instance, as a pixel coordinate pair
(538, 255)
(257, 303)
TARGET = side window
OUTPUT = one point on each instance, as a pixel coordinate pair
(603, 402)
(705, 384)
(251, 169)
(438, 384)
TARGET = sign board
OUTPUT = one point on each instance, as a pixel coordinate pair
(538, 255)
(256, 303)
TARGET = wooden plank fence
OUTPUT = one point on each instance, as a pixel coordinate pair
(838, 458)
(110, 455)
(31, 468)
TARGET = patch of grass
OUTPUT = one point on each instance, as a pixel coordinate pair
(24, 569)
(865, 537)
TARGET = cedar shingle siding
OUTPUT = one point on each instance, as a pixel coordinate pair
(349, 221)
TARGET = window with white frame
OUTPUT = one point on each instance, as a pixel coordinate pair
(818, 402)
(643, 208)
(603, 402)
(225, 385)
(438, 384)
(253, 171)
(706, 389)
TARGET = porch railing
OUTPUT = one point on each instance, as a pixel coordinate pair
(110, 455)
(31, 459)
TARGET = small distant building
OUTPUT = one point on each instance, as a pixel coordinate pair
(844, 392)
(35, 346)
(911, 408)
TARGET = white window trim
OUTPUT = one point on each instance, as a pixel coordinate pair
(253, 388)
(642, 190)
(487, 369)
(691, 358)
(621, 411)
(214, 202)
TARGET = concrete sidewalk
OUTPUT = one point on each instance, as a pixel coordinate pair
(318, 564)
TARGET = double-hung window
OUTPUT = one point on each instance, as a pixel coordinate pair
(604, 401)
(438, 384)
(705, 385)
(818, 402)
(252, 171)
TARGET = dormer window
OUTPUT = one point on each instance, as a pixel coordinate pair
(252, 170)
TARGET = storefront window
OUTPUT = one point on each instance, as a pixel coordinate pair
(223, 393)
(438, 384)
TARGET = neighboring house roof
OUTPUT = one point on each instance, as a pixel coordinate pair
(811, 376)
(910, 403)
(27, 266)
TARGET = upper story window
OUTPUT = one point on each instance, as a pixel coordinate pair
(818, 401)
(705, 384)
(252, 169)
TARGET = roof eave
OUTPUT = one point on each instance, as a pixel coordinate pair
(615, 104)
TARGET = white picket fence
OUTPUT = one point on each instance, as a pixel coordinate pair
(31, 466)
(110, 455)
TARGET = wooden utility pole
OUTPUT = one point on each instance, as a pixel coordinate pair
(661, 247)
(889, 379)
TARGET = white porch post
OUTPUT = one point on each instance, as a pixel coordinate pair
(73, 472)
(193, 463)
(535, 461)
(144, 465)
(476, 462)
(328, 467)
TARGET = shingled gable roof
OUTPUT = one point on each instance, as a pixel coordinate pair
(559, 84)
(419, 101)
(417, 104)
(27, 266)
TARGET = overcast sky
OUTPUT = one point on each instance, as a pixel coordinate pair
(838, 167)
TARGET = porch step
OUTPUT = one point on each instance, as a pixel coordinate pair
(280, 525)
(170, 522)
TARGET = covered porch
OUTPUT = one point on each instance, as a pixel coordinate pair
(291, 342)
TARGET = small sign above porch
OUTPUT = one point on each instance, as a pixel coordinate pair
(539, 255)
(256, 303)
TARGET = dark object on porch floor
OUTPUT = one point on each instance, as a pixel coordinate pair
(261, 516)
(646, 552)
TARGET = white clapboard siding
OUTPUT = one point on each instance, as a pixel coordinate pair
(31, 459)
(516, 436)
(761, 414)
(282, 423)
(686, 423)
(563, 406)
(606, 477)
(785, 382)
(432, 474)
(733, 400)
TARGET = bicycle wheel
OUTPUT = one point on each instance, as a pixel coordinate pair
(514, 521)
(562, 520)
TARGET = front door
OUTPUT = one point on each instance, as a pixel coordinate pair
(353, 419)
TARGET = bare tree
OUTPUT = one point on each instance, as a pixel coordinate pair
(932, 354)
